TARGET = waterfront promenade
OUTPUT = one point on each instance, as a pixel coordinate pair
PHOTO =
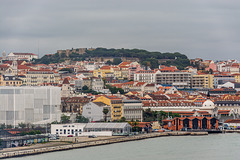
(93, 142)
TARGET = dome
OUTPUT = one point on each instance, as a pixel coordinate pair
(208, 104)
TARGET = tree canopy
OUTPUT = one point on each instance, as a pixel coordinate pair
(81, 119)
(145, 57)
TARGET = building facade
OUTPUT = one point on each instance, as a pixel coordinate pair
(39, 77)
(203, 81)
(177, 79)
(132, 110)
(22, 56)
(36, 105)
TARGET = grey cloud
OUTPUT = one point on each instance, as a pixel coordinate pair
(202, 28)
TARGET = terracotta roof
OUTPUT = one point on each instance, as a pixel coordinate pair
(10, 62)
(4, 66)
(232, 121)
(124, 63)
(140, 83)
(77, 100)
(24, 54)
(24, 67)
(106, 67)
(65, 81)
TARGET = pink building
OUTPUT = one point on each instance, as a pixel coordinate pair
(212, 66)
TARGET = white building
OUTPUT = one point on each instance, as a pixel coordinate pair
(38, 105)
(74, 129)
(132, 110)
(148, 76)
(97, 84)
(86, 129)
(177, 79)
(94, 111)
(22, 56)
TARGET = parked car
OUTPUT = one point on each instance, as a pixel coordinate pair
(92, 136)
(70, 136)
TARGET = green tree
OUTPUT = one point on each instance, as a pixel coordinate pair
(55, 122)
(109, 62)
(67, 69)
(22, 125)
(105, 112)
(63, 55)
(9, 126)
(23, 133)
(34, 132)
(117, 61)
(81, 119)
(123, 119)
(210, 71)
(2, 126)
(65, 119)
(84, 88)
(134, 125)
(121, 90)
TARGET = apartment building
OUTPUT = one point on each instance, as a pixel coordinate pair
(148, 76)
(97, 84)
(116, 105)
(92, 83)
(203, 81)
(9, 80)
(177, 79)
(132, 110)
(39, 77)
(223, 78)
(73, 104)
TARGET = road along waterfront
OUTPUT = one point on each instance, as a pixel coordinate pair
(211, 147)
(18, 153)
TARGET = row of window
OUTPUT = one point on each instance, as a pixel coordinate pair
(7, 83)
(67, 131)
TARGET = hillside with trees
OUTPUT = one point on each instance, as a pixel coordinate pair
(151, 59)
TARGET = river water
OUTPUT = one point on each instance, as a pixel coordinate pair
(211, 147)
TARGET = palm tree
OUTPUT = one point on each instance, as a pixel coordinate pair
(105, 112)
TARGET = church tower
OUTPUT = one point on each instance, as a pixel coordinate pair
(65, 88)
(4, 56)
(15, 67)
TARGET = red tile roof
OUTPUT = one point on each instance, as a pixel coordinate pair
(65, 81)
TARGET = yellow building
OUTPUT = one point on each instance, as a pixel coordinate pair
(116, 105)
(124, 72)
(40, 77)
(117, 72)
(10, 81)
(237, 78)
(202, 81)
(101, 72)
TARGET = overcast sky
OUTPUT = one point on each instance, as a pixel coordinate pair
(209, 29)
